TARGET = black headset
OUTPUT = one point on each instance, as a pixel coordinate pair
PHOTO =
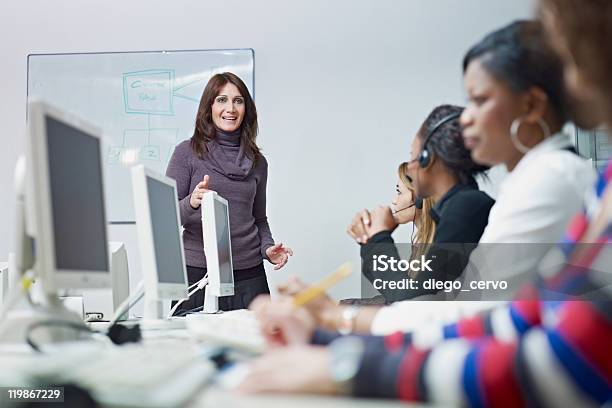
(425, 157)
(418, 202)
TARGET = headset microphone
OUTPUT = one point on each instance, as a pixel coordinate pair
(405, 208)
(418, 203)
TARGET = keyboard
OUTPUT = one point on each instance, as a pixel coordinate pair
(158, 374)
(237, 329)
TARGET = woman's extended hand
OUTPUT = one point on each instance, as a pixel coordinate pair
(198, 192)
(279, 255)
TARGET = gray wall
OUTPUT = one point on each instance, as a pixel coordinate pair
(341, 87)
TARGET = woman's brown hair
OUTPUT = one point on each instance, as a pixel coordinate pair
(586, 29)
(427, 227)
(205, 129)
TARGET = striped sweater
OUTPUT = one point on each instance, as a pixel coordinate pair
(538, 351)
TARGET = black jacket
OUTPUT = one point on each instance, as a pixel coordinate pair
(461, 216)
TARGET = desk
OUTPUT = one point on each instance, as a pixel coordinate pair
(221, 399)
(12, 360)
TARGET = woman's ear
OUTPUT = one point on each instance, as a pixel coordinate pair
(432, 160)
(537, 104)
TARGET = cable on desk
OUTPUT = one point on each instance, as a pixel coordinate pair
(199, 285)
(186, 312)
(64, 323)
(117, 333)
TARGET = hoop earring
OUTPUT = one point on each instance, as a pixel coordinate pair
(514, 129)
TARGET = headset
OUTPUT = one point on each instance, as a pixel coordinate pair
(418, 203)
(425, 157)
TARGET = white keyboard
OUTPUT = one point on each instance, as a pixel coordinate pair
(159, 374)
(238, 329)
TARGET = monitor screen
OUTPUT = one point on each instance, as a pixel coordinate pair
(166, 232)
(223, 243)
(77, 199)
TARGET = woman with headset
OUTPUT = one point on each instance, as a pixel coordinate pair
(408, 207)
(516, 108)
(530, 352)
(441, 169)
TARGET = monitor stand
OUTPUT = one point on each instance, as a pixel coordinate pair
(154, 318)
(211, 302)
(14, 328)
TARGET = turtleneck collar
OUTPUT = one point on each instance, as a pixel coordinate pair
(228, 138)
(228, 156)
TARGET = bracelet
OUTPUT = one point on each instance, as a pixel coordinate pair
(347, 320)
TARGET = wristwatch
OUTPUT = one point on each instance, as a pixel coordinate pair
(347, 320)
(346, 354)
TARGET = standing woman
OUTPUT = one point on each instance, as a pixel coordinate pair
(222, 156)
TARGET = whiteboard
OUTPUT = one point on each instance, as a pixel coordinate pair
(144, 102)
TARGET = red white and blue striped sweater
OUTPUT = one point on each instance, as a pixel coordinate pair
(534, 352)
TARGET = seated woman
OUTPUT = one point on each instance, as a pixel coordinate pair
(407, 208)
(442, 169)
(511, 76)
(533, 352)
(515, 115)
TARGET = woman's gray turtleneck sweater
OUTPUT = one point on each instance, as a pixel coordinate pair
(233, 176)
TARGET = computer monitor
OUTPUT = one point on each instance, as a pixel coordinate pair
(65, 193)
(60, 218)
(218, 250)
(159, 238)
(105, 302)
(4, 281)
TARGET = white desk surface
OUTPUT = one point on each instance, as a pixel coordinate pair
(13, 357)
(219, 398)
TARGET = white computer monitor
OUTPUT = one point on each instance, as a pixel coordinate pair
(159, 238)
(105, 302)
(65, 193)
(218, 250)
(4, 281)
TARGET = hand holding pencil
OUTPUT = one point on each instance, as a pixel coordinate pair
(285, 321)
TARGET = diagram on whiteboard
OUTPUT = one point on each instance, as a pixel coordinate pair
(144, 102)
(146, 93)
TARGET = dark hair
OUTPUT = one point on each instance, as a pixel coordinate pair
(519, 55)
(585, 26)
(446, 143)
(205, 129)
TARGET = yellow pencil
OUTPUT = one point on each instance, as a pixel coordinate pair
(319, 288)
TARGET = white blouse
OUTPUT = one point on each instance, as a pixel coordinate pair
(537, 199)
